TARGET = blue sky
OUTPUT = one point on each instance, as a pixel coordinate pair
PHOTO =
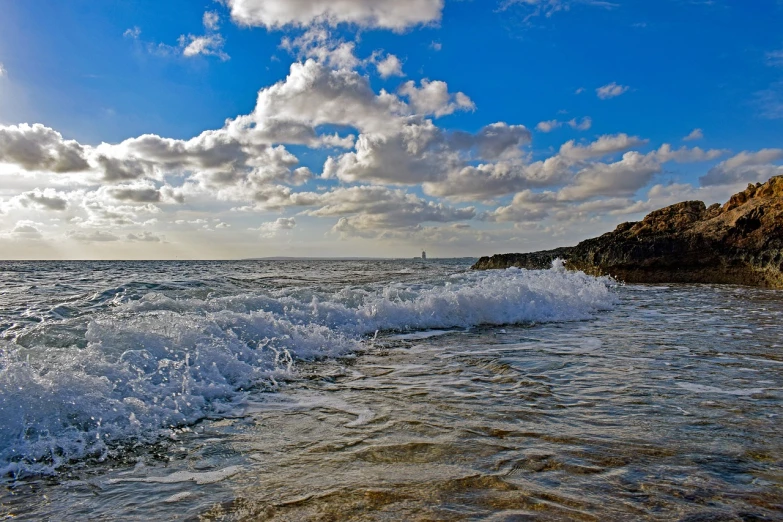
(623, 79)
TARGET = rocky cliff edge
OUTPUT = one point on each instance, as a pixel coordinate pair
(740, 242)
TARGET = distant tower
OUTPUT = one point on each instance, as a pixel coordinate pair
(424, 255)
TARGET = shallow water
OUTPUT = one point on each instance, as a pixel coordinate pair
(602, 402)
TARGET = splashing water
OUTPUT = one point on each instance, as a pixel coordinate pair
(98, 372)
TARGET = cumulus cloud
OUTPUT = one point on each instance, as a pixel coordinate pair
(216, 159)
(611, 90)
(25, 229)
(421, 152)
(493, 142)
(491, 180)
(136, 194)
(549, 125)
(745, 167)
(39, 148)
(118, 169)
(376, 210)
(509, 174)
(603, 146)
(48, 199)
(621, 178)
(313, 95)
(378, 141)
(272, 228)
(365, 211)
(527, 206)
(386, 14)
(389, 66)
(696, 134)
(433, 98)
(317, 43)
(685, 155)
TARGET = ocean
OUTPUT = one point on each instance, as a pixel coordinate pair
(383, 390)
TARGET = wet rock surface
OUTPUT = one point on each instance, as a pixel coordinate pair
(740, 242)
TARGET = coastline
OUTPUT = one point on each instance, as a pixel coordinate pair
(740, 242)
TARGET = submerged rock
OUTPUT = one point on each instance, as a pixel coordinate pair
(740, 242)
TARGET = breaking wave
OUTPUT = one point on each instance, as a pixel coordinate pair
(140, 369)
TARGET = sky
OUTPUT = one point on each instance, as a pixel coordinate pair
(229, 129)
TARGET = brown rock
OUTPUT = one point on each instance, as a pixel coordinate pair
(740, 242)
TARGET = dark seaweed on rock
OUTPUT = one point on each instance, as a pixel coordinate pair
(740, 242)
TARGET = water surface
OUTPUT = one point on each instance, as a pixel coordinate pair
(384, 391)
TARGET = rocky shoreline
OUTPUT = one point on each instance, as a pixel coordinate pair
(740, 242)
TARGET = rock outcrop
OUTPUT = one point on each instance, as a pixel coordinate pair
(740, 242)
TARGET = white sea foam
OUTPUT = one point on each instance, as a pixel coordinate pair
(146, 367)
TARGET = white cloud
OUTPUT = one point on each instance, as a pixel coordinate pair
(745, 167)
(386, 14)
(368, 211)
(210, 44)
(389, 66)
(317, 43)
(611, 90)
(433, 98)
(133, 33)
(3, 72)
(144, 193)
(685, 155)
(548, 126)
(39, 148)
(696, 134)
(421, 152)
(376, 141)
(527, 206)
(436, 46)
(364, 211)
(603, 146)
(207, 45)
(314, 95)
(48, 199)
(583, 125)
(487, 181)
(622, 178)
(211, 20)
(25, 230)
(273, 228)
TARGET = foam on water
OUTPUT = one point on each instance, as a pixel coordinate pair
(146, 367)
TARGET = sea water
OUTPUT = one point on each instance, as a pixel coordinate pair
(383, 390)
